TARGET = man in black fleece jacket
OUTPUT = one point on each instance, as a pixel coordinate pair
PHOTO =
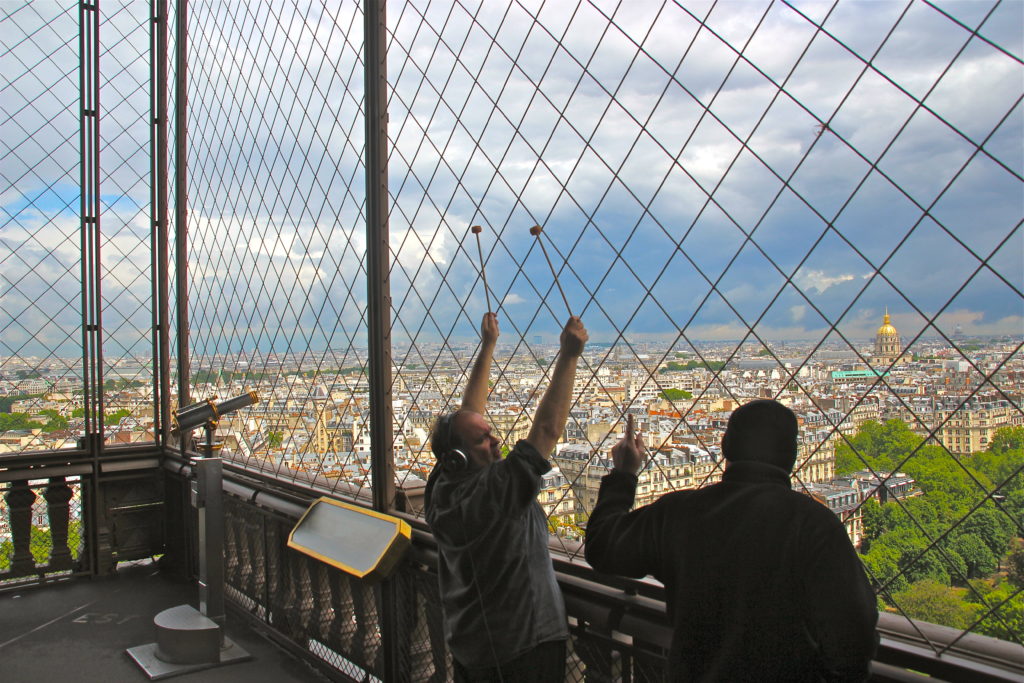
(761, 582)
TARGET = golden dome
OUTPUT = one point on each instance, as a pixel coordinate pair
(887, 329)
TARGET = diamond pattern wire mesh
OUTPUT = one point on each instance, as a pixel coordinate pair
(126, 224)
(40, 252)
(276, 234)
(719, 187)
(40, 322)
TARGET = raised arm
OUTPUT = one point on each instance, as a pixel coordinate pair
(553, 410)
(475, 396)
(619, 541)
(628, 453)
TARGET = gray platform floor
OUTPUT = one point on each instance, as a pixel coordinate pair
(79, 630)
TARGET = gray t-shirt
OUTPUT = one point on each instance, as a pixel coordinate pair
(497, 582)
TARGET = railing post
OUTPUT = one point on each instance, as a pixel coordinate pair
(378, 255)
(58, 509)
(19, 501)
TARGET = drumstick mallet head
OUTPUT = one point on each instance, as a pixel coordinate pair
(536, 231)
(476, 229)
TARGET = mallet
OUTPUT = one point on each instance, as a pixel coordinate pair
(483, 273)
(536, 231)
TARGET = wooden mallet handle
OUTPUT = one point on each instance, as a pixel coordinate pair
(476, 229)
(536, 231)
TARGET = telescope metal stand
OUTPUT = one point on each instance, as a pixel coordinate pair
(188, 639)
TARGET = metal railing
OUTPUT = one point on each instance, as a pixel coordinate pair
(618, 627)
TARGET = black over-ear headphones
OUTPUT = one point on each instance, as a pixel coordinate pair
(445, 447)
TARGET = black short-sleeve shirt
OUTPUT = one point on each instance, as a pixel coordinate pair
(497, 582)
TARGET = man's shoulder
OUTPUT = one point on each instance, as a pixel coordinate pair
(808, 502)
(449, 489)
(684, 497)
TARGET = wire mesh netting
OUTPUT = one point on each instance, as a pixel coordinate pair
(819, 203)
(782, 200)
(41, 320)
(277, 241)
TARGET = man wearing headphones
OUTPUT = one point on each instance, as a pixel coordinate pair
(504, 614)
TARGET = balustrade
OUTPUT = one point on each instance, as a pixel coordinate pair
(40, 539)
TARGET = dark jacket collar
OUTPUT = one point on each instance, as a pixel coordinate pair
(754, 472)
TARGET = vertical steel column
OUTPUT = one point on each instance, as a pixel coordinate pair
(158, 243)
(92, 320)
(181, 196)
(89, 139)
(378, 253)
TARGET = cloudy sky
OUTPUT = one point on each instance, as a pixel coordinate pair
(698, 168)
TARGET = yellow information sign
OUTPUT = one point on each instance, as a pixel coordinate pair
(364, 543)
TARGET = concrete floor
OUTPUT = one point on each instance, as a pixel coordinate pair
(79, 630)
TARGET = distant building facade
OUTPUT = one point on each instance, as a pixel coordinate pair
(969, 427)
(845, 502)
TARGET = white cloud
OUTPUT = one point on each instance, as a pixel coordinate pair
(819, 280)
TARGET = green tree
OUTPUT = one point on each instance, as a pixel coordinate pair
(1007, 605)
(115, 417)
(1002, 461)
(275, 439)
(7, 401)
(874, 520)
(979, 560)
(931, 601)
(930, 566)
(56, 422)
(992, 527)
(879, 446)
(676, 394)
(936, 470)
(712, 365)
(110, 417)
(1015, 563)
(119, 384)
(1014, 505)
(1007, 439)
(9, 421)
(882, 566)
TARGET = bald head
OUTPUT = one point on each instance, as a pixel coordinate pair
(764, 431)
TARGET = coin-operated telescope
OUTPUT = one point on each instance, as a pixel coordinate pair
(188, 639)
(207, 413)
